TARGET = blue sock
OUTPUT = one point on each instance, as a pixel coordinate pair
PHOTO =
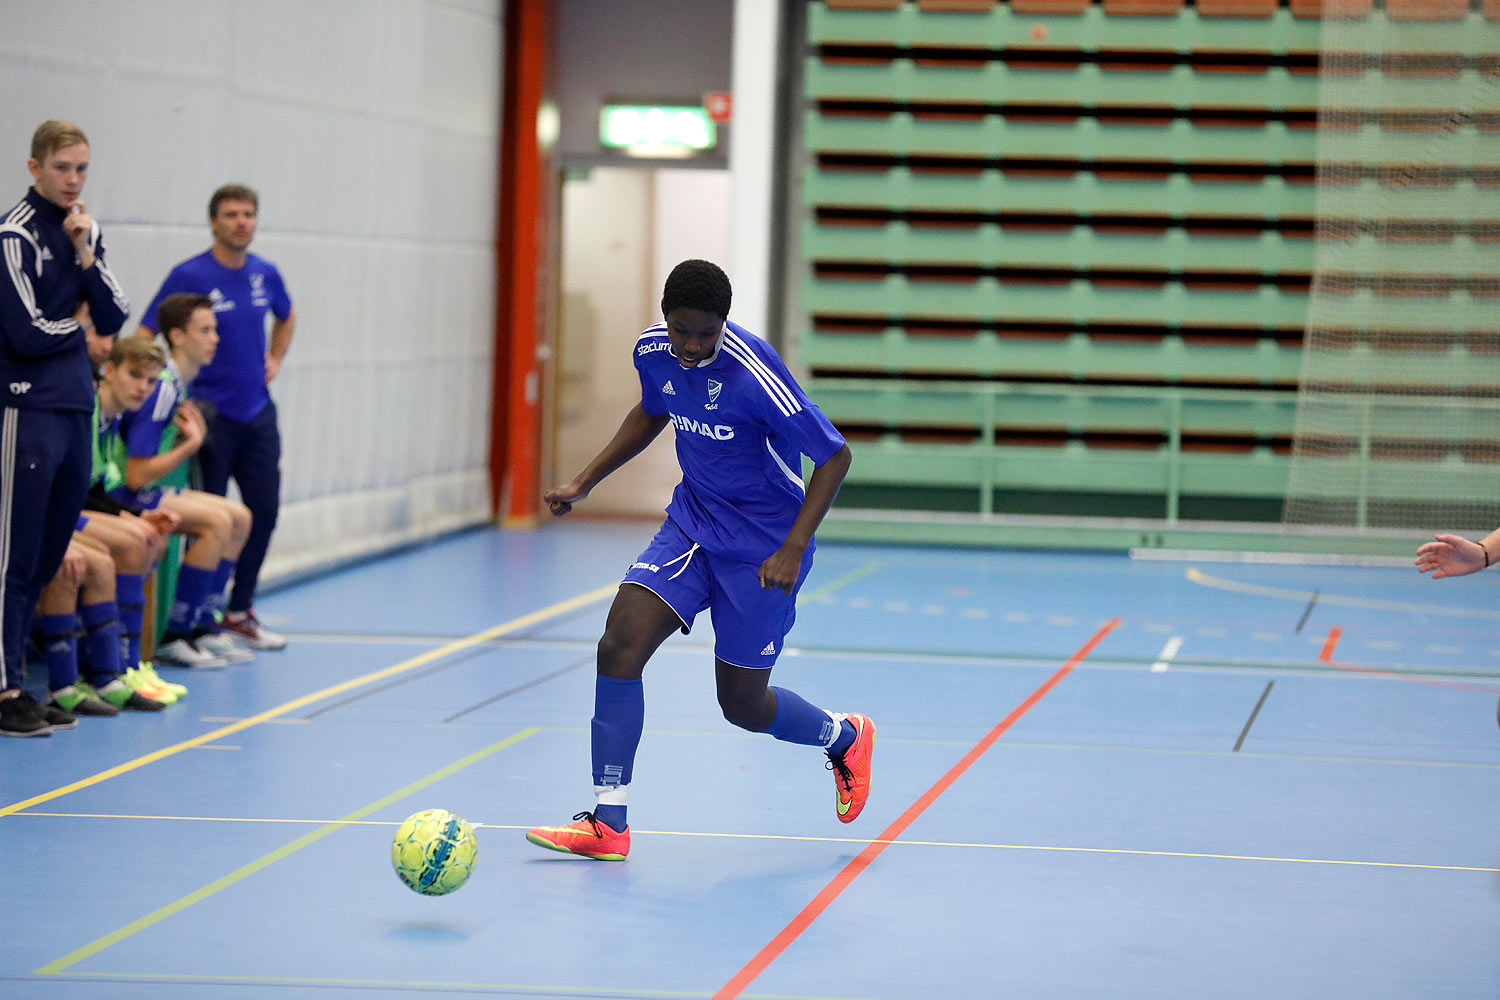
(60, 644)
(101, 626)
(845, 739)
(216, 592)
(192, 591)
(130, 598)
(800, 721)
(619, 716)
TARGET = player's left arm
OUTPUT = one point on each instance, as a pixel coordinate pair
(281, 342)
(788, 410)
(284, 320)
(781, 569)
(107, 303)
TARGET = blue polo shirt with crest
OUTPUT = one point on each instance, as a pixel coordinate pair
(235, 381)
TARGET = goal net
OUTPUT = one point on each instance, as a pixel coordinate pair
(1398, 414)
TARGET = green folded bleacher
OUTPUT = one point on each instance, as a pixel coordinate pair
(1057, 254)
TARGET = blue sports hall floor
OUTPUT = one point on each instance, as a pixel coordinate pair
(1095, 776)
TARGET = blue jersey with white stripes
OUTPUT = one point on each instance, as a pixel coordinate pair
(44, 360)
(742, 425)
(149, 431)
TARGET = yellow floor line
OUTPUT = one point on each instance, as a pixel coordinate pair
(843, 581)
(515, 624)
(347, 821)
(158, 915)
(432, 985)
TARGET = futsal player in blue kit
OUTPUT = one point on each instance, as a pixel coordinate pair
(737, 541)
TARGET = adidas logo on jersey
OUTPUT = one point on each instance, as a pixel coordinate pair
(770, 649)
(667, 389)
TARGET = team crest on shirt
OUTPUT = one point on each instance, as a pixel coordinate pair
(258, 290)
(713, 394)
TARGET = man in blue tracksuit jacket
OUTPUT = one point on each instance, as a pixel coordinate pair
(53, 260)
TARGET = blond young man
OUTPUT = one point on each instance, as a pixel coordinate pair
(135, 538)
(54, 257)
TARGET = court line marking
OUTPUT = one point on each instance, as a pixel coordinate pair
(1198, 576)
(1305, 613)
(686, 646)
(1331, 643)
(1167, 654)
(161, 913)
(873, 850)
(801, 838)
(291, 706)
(1254, 713)
(530, 989)
(839, 582)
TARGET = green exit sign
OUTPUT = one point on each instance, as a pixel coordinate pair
(656, 129)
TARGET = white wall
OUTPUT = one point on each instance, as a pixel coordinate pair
(757, 28)
(369, 128)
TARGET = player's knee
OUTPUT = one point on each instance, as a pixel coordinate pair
(620, 656)
(219, 525)
(98, 568)
(241, 520)
(745, 712)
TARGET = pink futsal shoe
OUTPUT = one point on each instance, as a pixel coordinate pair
(851, 772)
(585, 836)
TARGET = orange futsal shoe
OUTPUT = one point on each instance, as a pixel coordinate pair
(851, 772)
(584, 836)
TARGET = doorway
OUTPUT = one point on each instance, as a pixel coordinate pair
(623, 230)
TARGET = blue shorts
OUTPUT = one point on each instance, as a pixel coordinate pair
(750, 622)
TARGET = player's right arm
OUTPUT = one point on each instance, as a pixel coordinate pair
(143, 470)
(107, 303)
(637, 430)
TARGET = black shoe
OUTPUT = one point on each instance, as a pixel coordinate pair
(81, 699)
(138, 702)
(58, 717)
(22, 716)
(120, 695)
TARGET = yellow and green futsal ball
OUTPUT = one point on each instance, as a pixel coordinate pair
(434, 852)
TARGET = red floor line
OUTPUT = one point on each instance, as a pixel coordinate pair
(841, 881)
(1327, 657)
(1328, 645)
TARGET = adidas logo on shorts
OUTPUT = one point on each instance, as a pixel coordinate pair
(667, 389)
(770, 649)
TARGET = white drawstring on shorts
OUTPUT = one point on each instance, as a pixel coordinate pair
(688, 555)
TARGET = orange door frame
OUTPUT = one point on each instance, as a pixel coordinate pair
(522, 252)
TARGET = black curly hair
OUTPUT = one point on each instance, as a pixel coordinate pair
(697, 284)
